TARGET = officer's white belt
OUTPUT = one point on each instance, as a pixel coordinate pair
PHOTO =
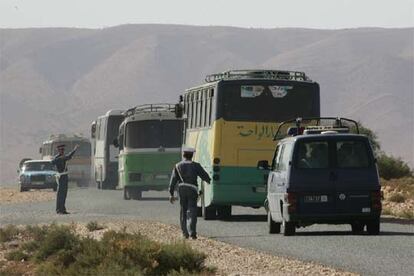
(188, 185)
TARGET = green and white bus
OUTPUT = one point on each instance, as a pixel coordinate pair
(149, 140)
(231, 121)
(104, 155)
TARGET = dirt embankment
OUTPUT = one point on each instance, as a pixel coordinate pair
(13, 195)
(227, 259)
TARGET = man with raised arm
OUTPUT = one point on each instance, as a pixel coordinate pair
(185, 173)
(62, 177)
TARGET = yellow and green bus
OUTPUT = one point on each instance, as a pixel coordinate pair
(150, 139)
(231, 121)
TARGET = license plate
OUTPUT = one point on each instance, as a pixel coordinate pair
(260, 190)
(316, 198)
(37, 182)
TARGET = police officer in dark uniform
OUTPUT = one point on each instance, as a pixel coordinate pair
(185, 173)
(62, 177)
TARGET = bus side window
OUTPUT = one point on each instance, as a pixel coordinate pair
(210, 109)
(199, 108)
(186, 110)
(191, 103)
(203, 108)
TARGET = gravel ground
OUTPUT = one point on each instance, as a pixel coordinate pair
(13, 195)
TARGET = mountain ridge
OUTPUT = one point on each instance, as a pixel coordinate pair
(60, 79)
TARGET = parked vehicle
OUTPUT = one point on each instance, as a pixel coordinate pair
(37, 174)
(229, 120)
(322, 174)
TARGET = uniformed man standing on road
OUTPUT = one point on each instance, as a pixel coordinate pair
(185, 173)
(62, 177)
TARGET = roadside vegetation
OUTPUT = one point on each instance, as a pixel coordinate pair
(389, 167)
(398, 197)
(59, 250)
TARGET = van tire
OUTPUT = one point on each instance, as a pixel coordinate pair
(274, 227)
(289, 228)
(357, 228)
(373, 227)
(224, 212)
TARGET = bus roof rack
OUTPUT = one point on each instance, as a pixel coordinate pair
(258, 74)
(316, 125)
(148, 108)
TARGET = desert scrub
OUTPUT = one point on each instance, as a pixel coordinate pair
(94, 226)
(8, 233)
(397, 197)
(58, 250)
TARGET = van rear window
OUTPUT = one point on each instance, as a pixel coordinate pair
(352, 154)
(313, 155)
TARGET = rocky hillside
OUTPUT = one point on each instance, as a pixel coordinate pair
(59, 79)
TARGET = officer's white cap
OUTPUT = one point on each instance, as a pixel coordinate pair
(188, 149)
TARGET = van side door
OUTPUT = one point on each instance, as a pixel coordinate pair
(272, 180)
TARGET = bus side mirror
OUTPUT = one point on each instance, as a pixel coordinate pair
(93, 130)
(179, 110)
(115, 143)
(263, 165)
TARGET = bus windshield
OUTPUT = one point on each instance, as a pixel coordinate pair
(154, 134)
(278, 101)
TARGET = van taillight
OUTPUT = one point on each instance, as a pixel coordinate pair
(291, 200)
(376, 200)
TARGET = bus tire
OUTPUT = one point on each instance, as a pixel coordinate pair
(224, 212)
(209, 213)
(136, 194)
(289, 228)
(127, 194)
(274, 227)
(199, 212)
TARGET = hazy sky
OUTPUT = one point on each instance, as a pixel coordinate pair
(244, 13)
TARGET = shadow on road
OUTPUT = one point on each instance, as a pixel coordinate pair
(154, 199)
(349, 233)
(247, 218)
(396, 233)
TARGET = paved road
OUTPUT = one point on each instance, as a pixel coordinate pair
(391, 253)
